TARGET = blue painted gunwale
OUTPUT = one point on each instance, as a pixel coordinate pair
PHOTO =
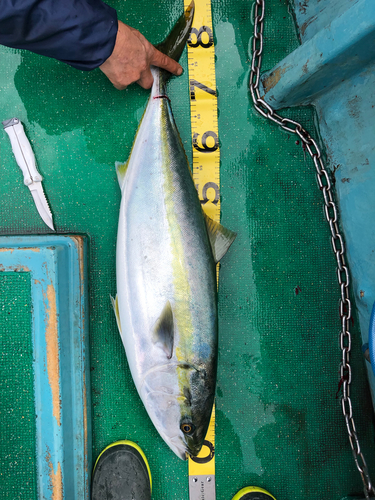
(57, 265)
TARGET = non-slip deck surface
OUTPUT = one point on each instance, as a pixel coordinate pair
(279, 424)
(17, 414)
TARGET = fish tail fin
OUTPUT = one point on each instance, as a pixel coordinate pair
(174, 44)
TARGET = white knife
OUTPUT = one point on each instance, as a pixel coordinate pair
(26, 161)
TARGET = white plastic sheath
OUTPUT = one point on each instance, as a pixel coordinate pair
(22, 151)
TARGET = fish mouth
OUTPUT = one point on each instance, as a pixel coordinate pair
(193, 446)
(161, 402)
(178, 445)
(181, 448)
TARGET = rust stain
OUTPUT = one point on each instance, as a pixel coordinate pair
(53, 362)
(306, 24)
(303, 6)
(11, 250)
(32, 249)
(17, 269)
(304, 67)
(85, 420)
(273, 78)
(21, 268)
(55, 479)
(345, 179)
(353, 107)
(79, 241)
(56, 483)
(362, 294)
(335, 167)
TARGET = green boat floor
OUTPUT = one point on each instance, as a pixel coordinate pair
(17, 414)
(279, 424)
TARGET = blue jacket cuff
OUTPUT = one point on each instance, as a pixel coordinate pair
(81, 33)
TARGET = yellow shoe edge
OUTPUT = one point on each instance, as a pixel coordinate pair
(133, 445)
(250, 489)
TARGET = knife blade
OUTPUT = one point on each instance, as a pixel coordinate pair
(26, 161)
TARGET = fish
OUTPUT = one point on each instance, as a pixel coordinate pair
(166, 255)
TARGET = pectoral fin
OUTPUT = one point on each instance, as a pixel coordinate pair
(164, 330)
(117, 314)
(220, 237)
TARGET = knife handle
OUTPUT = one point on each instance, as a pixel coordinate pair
(22, 150)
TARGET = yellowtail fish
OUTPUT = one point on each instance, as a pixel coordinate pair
(166, 303)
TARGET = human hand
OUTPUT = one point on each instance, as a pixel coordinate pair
(132, 57)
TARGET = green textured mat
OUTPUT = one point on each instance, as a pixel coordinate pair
(279, 424)
(17, 414)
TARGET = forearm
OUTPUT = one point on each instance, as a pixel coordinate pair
(81, 33)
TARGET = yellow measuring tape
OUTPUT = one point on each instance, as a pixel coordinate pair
(203, 109)
(206, 173)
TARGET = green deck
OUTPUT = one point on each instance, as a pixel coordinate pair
(279, 424)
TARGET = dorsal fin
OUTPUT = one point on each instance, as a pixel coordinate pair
(164, 330)
(220, 237)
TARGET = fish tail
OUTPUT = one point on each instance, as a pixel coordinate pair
(174, 44)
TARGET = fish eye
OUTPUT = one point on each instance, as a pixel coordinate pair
(187, 428)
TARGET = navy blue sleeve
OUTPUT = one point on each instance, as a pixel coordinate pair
(81, 33)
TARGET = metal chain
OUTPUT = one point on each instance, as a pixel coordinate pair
(330, 210)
